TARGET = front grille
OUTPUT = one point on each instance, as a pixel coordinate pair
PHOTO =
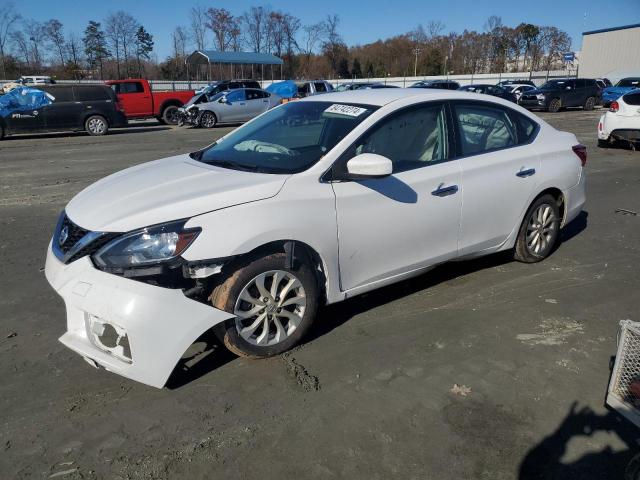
(528, 98)
(74, 234)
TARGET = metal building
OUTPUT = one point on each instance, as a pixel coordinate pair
(210, 64)
(610, 50)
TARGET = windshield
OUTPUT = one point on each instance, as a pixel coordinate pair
(287, 139)
(629, 82)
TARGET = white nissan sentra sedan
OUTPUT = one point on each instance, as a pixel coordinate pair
(310, 203)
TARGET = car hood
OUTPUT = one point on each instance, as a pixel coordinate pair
(164, 190)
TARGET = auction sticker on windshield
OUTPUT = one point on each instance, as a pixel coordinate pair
(347, 110)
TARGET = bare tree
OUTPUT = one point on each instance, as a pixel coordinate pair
(255, 25)
(312, 37)
(435, 28)
(74, 52)
(120, 30)
(53, 30)
(8, 19)
(35, 32)
(225, 27)
(198, 16)
(21, 43)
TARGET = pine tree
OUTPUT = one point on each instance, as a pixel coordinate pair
(144, 46)
(95, 45)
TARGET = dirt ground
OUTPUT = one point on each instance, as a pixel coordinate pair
(486, 369)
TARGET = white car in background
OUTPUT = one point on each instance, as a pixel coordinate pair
(622, 121)
(311, 203)
(27, 81)
(518, 89)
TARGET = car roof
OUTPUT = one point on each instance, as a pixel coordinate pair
(384, 96)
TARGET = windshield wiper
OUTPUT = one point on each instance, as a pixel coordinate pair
(234, 165)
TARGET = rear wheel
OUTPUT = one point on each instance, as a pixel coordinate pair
(589, 103)
(539, 231)
(274, 306)
(170, 115)
(96, 125)
(208, 119)
(554, 105)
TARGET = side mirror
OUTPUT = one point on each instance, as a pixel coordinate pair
(369, 165)
(223, 100)
(568, 87)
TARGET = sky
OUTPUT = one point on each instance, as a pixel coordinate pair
(361, 22)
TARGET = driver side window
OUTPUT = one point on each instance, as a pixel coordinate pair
(412, 138)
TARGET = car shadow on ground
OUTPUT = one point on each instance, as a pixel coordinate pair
(116, 131)
(545, 461)
(208, 353)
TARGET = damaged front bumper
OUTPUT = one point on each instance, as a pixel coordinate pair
(131, 328)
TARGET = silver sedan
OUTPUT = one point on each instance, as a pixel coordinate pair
(232, 106)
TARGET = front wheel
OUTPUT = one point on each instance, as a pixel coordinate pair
(208, 119)
(274, 306)
(539, 231)
(96, 125)
(554, 105)
(170, 115)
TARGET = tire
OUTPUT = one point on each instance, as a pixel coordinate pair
(1, 132)
(208, 119)
(589, 103)
(555, 105)
(96, 125)
(170, 115)
(299, 302)
(539, 231)
(632, 471)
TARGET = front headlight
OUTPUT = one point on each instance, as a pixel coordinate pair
(540, 96)
(147, 246)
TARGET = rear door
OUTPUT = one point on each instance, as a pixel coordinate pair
(575, 97)
(257, 101)
(94, 99)
(135, 101)
(498, 171)
(64, 112)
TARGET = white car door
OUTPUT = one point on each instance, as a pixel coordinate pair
(498, 171)
(408, 220)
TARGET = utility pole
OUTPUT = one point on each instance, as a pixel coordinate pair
(415, 65)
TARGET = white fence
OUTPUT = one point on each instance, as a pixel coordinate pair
(537, 77)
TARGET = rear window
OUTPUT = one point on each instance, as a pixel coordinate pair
(629, 82)
(91, 93)
(632, 98)
(128, 87)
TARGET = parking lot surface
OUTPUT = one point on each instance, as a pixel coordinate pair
(485, 369)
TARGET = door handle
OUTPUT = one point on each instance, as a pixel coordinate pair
(442, 191)
(526, 173)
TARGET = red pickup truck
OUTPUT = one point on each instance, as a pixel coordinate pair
(138, 100)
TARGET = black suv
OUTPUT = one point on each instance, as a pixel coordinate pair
(92, 108)
(445, 84)
(223, 85)
(563, 92)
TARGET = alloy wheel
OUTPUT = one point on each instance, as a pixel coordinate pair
(97, 126)
(270, 308)
(541, 229)
(208, 120)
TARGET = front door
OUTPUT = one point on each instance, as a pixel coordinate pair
(408, 220)
(24, 113)
(498, 171)
(234, 109)
(64, 112)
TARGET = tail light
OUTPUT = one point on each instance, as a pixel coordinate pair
(581, 152)
(614, 107)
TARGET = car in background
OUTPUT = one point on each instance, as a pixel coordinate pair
(56, 108)
(560, 93)
(625, 85)
(603, 82)
(313, 87)
(231, 106)
(27, 81)
(621, 122)
(140, 101)
(444, 84)
(223, 85)
(518, 89)
(516, 81)
(343, 87)
(495, 90)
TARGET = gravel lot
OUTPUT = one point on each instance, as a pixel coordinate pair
(371, 394)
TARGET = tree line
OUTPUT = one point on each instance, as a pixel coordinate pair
(119, 46)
